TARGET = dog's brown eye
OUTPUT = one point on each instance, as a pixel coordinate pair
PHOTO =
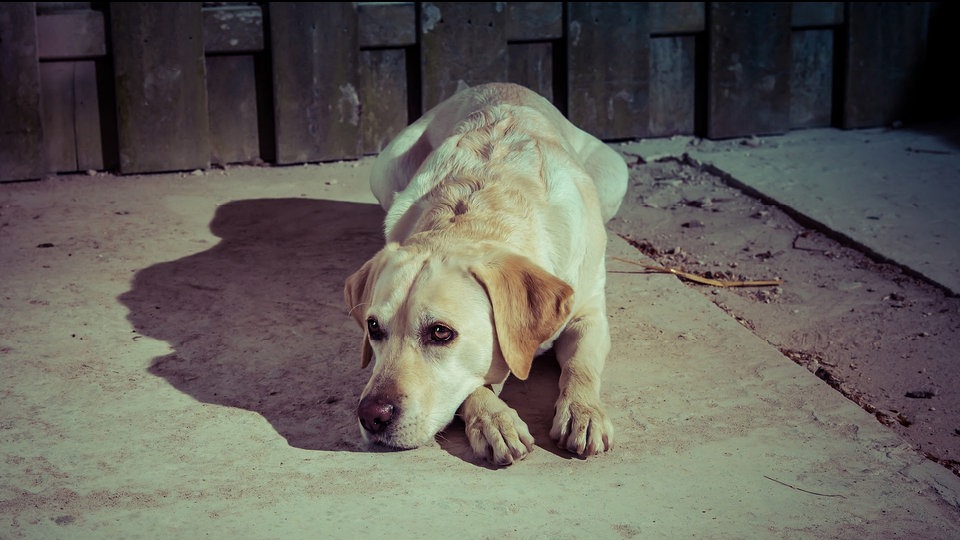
(441, 334)
(373, 328)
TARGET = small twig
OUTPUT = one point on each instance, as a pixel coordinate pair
(703, 280)
(804, 490)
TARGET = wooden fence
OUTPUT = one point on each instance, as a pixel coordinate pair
(147, 87)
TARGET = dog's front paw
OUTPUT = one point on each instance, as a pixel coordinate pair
(582, 427)
(499, 435)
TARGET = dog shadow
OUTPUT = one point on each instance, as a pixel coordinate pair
(258, 321)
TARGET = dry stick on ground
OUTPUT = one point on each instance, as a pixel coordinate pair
(703, 280)
(804, 490)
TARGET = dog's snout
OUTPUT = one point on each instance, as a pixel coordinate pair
(375, 414)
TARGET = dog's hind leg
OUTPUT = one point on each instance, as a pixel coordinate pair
(609, 173)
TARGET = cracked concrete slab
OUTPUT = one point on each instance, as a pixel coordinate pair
(177, 362)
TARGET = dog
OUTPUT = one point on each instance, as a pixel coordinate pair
(494, 252)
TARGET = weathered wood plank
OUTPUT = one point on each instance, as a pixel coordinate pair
(672, 18)
(232, 96)
(885, 48)
(749, 69)
(77, 34)
(816, 14)
(531, 65)
(232, 29)
(71, 116)
(383, 95)
(160, 86)
(88, 121)
(56, 84)
(71, 90)
(811, 81)
(21, 131)
(384, 24)
(315, 77)
(45, 8)
(672, 86)
(461, 41)
(608, 45)
(534, 31)
(534, 21)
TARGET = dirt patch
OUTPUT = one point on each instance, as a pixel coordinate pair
(883, 338)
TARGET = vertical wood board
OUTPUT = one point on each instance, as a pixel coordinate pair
(56, 84)
(21, 129)
(885, 50)
(672, 86)
(71, 116)
(315, 76)
(160, 86)
(531, 65)
(816, 14)
(749, 69)
(534, 21)
(232, 96)
(387, 24)
(383, 96)
(75, 34)
(232, 29)
(608, 47)
(811, 81)
(674, 18)
(461, 41)
(88, 118)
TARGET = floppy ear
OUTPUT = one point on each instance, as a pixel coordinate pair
(356, 294)
(529, 305)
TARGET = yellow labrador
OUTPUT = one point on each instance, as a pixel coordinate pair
(494, 252)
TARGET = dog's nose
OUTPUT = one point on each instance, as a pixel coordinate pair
(375, 414)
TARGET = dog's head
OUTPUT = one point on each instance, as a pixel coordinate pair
(440, 325)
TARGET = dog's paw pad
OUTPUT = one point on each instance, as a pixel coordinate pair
(500, 437)
(582, 428)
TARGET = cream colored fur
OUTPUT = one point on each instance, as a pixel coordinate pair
(496, 207)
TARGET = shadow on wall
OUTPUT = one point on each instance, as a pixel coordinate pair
(258, 322)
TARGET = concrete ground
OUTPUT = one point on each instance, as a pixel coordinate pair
(893, 193)
(178, 363)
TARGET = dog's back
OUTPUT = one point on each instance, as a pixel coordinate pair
(402, 158)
